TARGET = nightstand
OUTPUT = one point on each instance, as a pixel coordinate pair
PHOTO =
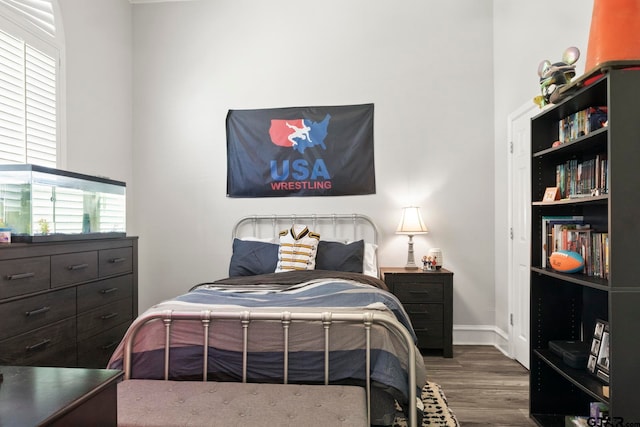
(427, 297)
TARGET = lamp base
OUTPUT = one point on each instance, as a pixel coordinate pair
(411, 261)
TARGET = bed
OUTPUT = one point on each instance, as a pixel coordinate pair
(341, 285)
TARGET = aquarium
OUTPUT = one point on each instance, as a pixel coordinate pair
(40, 204)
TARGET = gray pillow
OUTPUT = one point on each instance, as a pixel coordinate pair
(338, 256)
(252, 257)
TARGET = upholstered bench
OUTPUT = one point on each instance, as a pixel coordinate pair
(197, 403)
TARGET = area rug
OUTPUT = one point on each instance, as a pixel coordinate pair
(436, 409)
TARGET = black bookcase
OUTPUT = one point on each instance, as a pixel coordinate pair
(566, 306)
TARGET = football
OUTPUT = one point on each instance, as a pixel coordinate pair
(566, 261)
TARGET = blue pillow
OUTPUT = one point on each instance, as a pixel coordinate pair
(338, 256)
(252, 257)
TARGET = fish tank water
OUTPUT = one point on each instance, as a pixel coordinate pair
(41, 204)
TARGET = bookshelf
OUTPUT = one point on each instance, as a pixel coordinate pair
(567, 306)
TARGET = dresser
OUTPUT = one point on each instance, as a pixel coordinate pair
(66, 303)
(427, 297)
(46, 396)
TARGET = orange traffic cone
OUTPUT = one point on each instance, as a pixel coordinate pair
(614, 36)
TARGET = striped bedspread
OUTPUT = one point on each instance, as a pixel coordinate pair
(266, 342)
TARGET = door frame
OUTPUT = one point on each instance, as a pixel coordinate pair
(528, 109)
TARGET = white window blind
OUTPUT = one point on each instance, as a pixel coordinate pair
(27, 104)
(28, 83)
(37, 13)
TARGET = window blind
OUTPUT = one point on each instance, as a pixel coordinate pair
(28, 131)
(38, 13)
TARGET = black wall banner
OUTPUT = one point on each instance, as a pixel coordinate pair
(300, 151)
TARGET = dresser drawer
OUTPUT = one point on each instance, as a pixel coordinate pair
(23, 276)
(37, 311)
(73, 268)
(96, 351)
(115, 261)
(96, 294)
(54, 345)
(102, 318)
(419, 292)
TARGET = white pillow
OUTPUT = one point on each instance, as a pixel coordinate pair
(298, 249)
(370, 261)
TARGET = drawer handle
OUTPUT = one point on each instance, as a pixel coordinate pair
(20, 276)
(108, 291)
(117, 260)
(110, 345)
(38, 346)
(77, 267)
(417, 312)
(109, 316)
(421, 329)
(37, 311)
(419, 292)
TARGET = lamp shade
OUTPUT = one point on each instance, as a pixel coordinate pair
(411, 222)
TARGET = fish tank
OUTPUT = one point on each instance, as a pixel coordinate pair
(41, 204)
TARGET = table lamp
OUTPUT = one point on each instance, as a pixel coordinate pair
(411, 224)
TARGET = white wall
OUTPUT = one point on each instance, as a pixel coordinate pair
(443, 77)
(525, 33)
(99, 93)
(427, 67)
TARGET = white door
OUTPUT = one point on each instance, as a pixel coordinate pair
(519, 133)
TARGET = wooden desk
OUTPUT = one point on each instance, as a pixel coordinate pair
(43, 396)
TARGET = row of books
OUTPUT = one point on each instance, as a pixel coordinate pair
(581, 123)
(570, 233)
(576, 178)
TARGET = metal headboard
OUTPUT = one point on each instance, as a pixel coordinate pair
(345, 227)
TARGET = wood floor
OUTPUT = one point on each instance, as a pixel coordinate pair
(483, 386)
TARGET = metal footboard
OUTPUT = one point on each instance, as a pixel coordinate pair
(285, 318)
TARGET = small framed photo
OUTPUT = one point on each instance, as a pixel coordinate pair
(598, 363)
(551, 194)
(591, 363)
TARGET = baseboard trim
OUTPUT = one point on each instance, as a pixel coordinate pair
(481, 335)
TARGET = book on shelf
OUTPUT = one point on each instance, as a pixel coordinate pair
(583, 178)
(549, 223)
(570, 233)
(581, 123)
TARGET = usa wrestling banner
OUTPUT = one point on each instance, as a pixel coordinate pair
(301, 151)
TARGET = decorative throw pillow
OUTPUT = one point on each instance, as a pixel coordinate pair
(297, 250)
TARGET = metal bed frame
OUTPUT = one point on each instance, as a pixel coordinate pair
(285, 319)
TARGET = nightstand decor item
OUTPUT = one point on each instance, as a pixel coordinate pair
(411, 224)
(436, 254)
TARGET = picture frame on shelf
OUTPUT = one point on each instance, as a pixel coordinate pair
(551, 194)
(598, 363)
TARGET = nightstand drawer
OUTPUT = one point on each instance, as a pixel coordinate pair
(430, 334)
(424, 312)
(419, 292)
